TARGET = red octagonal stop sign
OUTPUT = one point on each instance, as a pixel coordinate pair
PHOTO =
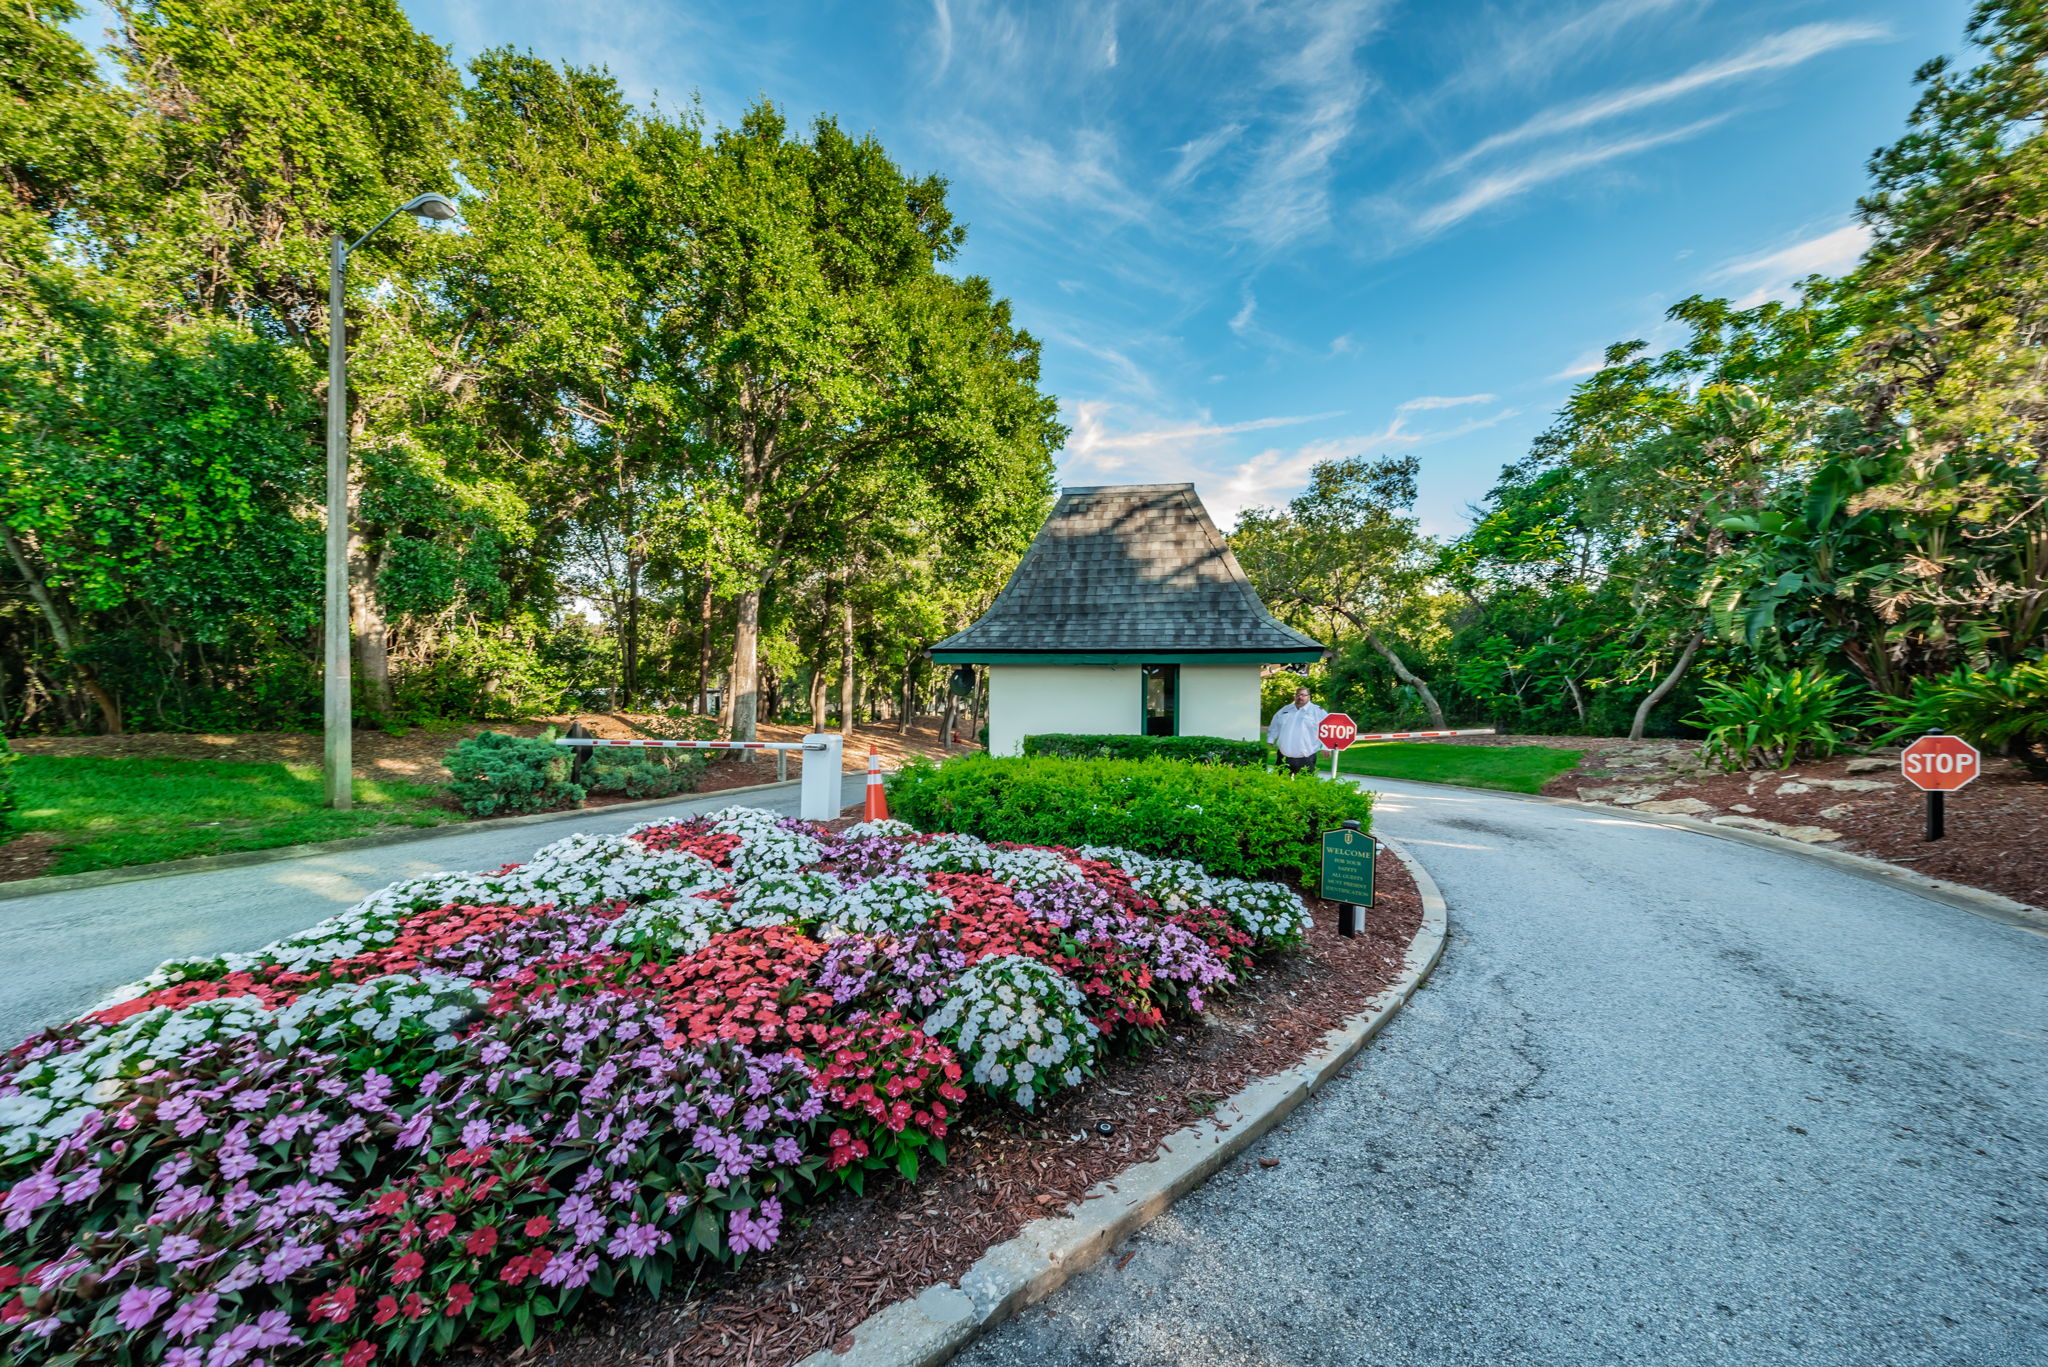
(1940, 764)
(1337, 731)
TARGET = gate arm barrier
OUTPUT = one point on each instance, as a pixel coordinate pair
(1425, 735)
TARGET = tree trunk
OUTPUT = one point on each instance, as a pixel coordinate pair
(704, 648)
(1578, 700)
(1409, 677)
(60, 629)
(908, 698)
(946, 719)
(817, 698)
(744, 704)
(1692, 645)
(372, 630)
(978, 718)
(629, 644)
(846, 666)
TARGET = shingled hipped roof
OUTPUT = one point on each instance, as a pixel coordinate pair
(1128, 572)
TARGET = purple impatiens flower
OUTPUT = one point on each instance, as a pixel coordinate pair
(193, 1315)
(140, 1305)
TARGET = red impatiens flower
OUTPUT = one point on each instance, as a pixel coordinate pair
(414, 1306)
(336, 1305)
(481, 1241)
(360, 1354)
(407, 1269)
(459, 1297)
(387, 1308)
(390, 1203)
(538, 1225)
(438, 1226)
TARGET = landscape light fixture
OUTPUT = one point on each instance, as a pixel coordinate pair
(339, 709)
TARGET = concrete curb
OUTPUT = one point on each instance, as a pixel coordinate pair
(206, 863)
(1990, 905)
(932, 1326)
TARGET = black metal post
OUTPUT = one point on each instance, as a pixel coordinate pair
(1350, 916)
(1935, 814)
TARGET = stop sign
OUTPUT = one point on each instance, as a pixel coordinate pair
(1337, 731)
(1940, 764)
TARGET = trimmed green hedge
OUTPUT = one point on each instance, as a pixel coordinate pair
(1239, 823)
(1197, 749)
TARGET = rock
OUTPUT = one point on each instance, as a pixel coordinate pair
(1850, 785)
(1787, 789)
(1872, 764)
(1624, 797)
(1836, 812)
(1677, 806)
(1805, 835)
(1740, 807)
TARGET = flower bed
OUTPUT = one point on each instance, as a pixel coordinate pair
(471, 1100)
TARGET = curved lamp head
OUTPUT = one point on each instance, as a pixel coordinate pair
(437, 207)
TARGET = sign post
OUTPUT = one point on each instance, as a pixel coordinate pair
(1938, 764)
(1336, 733)
(1347, 875)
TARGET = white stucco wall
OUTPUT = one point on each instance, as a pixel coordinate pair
(1029, 700)
(1220, 700)
(1108, 700)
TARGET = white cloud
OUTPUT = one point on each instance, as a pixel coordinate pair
(1288, 196)
(1241, 322)
(1497, 186)
(942, 36)
(1533, 50)
(1195, 154)
(1587, 363)
(1276, 474)
(1160, 451)
(1772, 274)
(1344, 345)
(1442, 401)
(1780, 51)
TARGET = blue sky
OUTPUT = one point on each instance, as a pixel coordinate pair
(1255, 235)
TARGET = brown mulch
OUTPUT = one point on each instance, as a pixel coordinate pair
(29, 855)
(1007, 1169)
(1997, 826)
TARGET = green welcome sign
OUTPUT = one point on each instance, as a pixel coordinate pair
(1347, 865)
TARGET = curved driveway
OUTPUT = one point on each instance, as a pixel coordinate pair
(1668, 1100)
(60, 952)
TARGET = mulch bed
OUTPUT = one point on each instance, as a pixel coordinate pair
(857, 1254)
(1997, 826)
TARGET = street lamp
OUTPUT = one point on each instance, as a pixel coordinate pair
(339, 710)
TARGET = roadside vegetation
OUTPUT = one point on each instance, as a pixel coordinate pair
(1809, 521)
(111, 813)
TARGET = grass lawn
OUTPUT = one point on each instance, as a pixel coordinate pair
(109, 813)
(1516, 768)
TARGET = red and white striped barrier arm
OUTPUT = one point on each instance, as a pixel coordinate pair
(687, 744)
(1423, 735)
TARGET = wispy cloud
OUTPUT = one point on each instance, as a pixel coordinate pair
(1196, 153)
(1772, 274)
(1533, 47)
(1586, 363)
(1776, 53)
(1100, 449)
(1507, 183)
(1321, 84)
(1277, 474)
(942, 36)
(1427, 401)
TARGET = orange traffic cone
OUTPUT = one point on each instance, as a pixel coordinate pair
(877, 808)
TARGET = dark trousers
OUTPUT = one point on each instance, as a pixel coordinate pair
(1297, 763)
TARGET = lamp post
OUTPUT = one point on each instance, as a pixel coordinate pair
(339, 718)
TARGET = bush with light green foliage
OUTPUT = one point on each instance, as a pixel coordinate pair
(2003, 710)
(1236, 822)
(500, 775)
(1776, 717)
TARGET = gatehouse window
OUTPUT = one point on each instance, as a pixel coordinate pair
(1162, 700)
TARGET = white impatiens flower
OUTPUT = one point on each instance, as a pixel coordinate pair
(1270, 913)
(1031, 867)
(883, 906)
(376, 1009)
(950, 854)
(766, 844)
(888, 825)
(1009, 1017)
(780, 899)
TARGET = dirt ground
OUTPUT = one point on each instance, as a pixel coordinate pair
(1997, 826)
(1006, 1170)
(416, 756)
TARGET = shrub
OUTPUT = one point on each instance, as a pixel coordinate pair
(505, 774)
(9, 799)
(1195, 749)
(2004, 710)
(1769, 717)
(1239, 823)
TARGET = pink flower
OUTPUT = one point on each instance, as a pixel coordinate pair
(193, 1315)
(140, 1305)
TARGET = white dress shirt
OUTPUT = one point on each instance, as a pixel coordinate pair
(1294, 730)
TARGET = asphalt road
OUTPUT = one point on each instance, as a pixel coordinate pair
(67, 950)
(1667, 1100)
